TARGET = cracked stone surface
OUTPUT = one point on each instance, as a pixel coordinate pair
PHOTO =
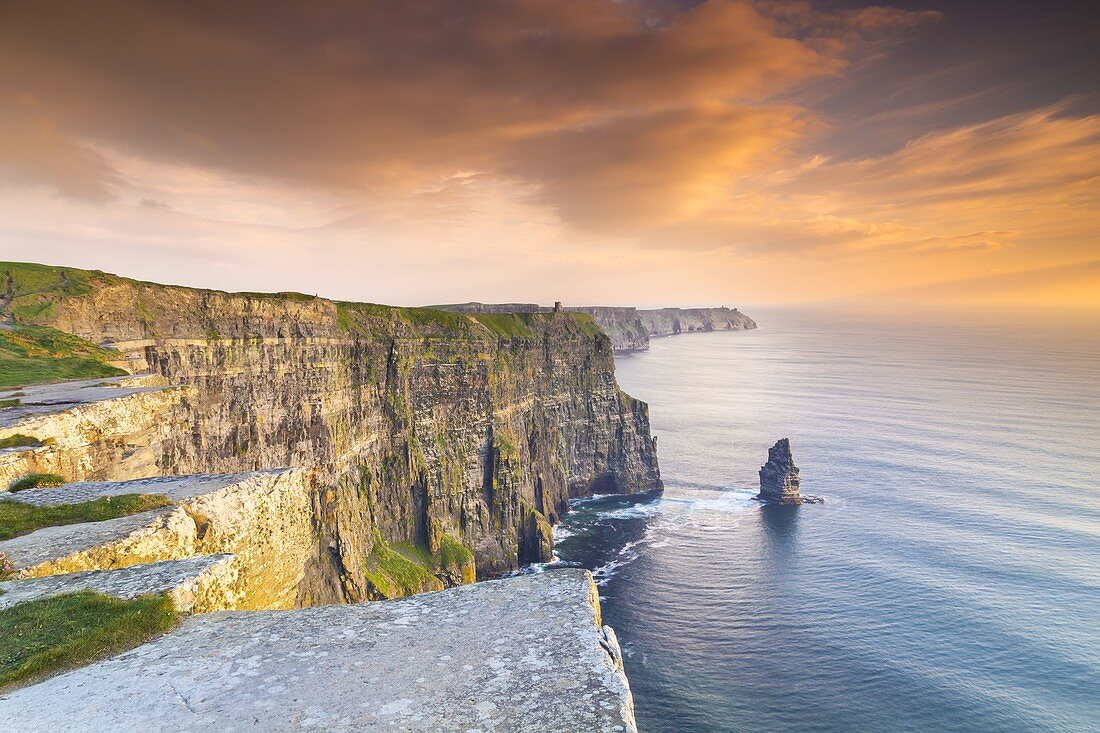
(184, 580)
(516, 655)
(49, 543)
(262, 518)
(44, 399)
(176, 488)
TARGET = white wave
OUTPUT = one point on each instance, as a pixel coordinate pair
(627, 554)
(562, 532)
(634, 511)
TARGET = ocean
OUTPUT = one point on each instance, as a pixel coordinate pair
(951, 579)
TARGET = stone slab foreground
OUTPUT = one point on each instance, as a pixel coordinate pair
(187, 582)
(44, 399)
(516, 655)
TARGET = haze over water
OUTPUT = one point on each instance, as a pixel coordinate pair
(951, 581)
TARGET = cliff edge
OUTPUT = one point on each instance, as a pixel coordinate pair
(630, 329)
(455, 439)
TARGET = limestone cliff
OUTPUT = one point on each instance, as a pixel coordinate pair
(631, 328)
(460, 437)
(672, 321)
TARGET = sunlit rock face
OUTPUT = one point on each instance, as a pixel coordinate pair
(458, 437)
(779, 480)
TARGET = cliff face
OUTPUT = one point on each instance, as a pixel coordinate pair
(630, 328)
(455, 436)
(779, 479)
(623, 326)
(672, 321)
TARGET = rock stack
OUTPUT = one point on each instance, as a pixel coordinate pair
(779, 481)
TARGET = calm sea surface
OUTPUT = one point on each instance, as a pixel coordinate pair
(951, 581)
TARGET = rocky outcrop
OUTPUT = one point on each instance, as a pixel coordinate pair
(91, 429)
(195, 585)
(450, 436)
(262, 520)
(527, 653)
(779, 480)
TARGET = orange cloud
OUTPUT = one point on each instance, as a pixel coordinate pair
(678, 143)
(382, 97)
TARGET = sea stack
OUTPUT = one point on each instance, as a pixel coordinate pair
(779, 480)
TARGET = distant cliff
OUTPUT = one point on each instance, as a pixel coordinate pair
(458, 436)
(630, 328)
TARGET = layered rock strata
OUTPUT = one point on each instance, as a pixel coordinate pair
(630, 329)
(527, 653)
(90, 429)
(779, 479)
(263, 521)
(459, 437)
(195, 584)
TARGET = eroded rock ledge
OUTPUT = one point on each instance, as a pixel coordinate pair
(521, 654)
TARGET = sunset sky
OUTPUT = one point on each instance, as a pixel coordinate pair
(643, 153)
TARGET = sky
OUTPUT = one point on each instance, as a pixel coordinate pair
(632, 152)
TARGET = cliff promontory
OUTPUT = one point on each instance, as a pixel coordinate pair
(454, 440)
(631, 328)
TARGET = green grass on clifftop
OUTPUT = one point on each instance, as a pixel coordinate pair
(508, 325)
(17, 518)
(38, 354)
(50, 635)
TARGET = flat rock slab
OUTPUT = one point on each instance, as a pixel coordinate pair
(44, 399)
(176, 488)
(158, 577)
(517, 655)
(50, 543)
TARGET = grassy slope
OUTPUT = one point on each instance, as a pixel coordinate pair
(49, 635)
(29, 292)
(38, 354)
(17, 518)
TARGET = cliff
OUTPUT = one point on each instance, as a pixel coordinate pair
(456, 438)
(527, 653)
(629, 328)
(672, 321)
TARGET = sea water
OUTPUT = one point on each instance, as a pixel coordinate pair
(951, 579)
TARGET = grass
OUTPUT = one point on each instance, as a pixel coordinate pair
(36, 481)
(453, 557)
(38, 354)
(19, 441)
(507, 325)
(349, 317)
(587, 324)
(10, 402)
(453, 553)
(394, 575)
(285, 295)
(49, 635)
(17, 518)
